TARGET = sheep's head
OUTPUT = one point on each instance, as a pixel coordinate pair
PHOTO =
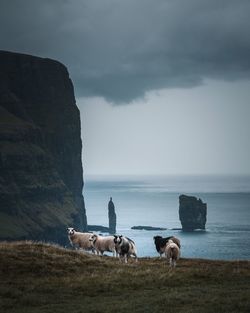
(157, 238)
(93, 238)
(70, 230)
(117, 239)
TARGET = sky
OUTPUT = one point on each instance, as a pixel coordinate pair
(163, 86)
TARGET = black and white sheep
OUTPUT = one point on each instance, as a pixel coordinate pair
(103, 243)
(172, 253)
(125, 247)
(160, 243)
(80, 240)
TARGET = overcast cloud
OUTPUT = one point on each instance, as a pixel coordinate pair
(120, 49)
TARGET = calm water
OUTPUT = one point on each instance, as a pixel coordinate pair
(154, 201)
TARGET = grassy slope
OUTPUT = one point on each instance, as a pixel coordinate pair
(36, 277)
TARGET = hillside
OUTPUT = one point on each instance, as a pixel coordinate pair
(40, 150)
(38, 277)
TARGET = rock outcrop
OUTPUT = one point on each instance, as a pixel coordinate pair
(147, 228)
(192, 213)
(40, 150)
(112, 217)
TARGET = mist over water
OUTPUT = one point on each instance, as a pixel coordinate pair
(154, 201)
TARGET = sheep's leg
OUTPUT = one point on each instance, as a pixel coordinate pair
(166, 256)
(125, 258)
(170, 262)
(73, 246)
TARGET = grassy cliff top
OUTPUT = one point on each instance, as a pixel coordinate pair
(37, 277)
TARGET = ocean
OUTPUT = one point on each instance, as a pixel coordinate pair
(154, 201)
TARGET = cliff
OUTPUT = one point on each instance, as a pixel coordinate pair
(40, 150)
(192, 213)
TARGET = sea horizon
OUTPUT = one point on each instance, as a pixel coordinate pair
(205, 183)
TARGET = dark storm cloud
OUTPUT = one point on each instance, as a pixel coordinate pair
(121, 49)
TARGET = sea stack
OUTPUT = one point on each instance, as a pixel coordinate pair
(192, 213)
(112, 217)
(41, 177)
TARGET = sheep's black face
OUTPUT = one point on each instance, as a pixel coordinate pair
(117, 239)
(71, 231)
(157, 238)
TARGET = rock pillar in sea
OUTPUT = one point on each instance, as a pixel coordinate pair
(112, 217)
(192, 213)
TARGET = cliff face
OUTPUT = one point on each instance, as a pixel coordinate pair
(192, 213)
(40, 150)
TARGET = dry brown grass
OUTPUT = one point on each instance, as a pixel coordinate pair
(38, 277)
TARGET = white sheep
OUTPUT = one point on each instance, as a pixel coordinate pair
(172, 253)
(80, 240)
(103, 243)
(125, 247)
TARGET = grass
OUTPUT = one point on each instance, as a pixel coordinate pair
(39, 278)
